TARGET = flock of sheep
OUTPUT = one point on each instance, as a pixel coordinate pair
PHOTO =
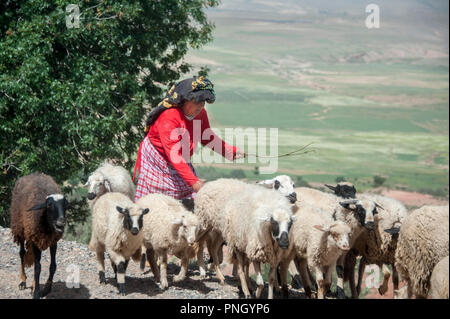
(303, 231)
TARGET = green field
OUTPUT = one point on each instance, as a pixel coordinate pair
(373, 101)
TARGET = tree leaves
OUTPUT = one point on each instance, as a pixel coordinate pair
(71, 97)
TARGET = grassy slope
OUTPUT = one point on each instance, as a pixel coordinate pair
(373, 101)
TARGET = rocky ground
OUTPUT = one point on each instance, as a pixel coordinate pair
(72, 257)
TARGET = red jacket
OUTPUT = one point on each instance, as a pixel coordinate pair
(172, 133)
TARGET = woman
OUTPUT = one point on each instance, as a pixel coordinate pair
(164, 155)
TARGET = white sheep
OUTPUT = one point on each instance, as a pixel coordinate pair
(377, 246)
(116, 227)
(109, 178)
(210, 201)
(358, 214)
(423, 241)
(257, 223)
(316, 240)
(325, 201)
(169, 228)
(283, 184)
(439, 280)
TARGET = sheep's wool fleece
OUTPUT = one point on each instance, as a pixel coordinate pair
(377, 246)
(245, 231)
(211, 199)
(310, 243)
(440, 280)
(107, 224)
(422, 243)
(158, 230)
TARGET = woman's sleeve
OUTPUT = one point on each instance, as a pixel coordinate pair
(214, 142)
(171, 140)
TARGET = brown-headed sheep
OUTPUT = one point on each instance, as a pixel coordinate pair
(37, 223)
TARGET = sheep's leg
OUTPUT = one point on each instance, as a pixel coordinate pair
(143, 258)
(295, 276)
(241, 273)
(327, 280)
(386, 275)
(163, 270)
(361, 270)
(100, 252)
(23, 276)
(200, 261)
(350, 264)
(340, 277)
(272, 279)
(182, 274)
(215, 248)
(247, 276)
(48, 284)
(302, 267)
(320, 282)
(259, 279)
(152, 261)
(121, 266)
(284, 265)
(37, 272)
(395, 280)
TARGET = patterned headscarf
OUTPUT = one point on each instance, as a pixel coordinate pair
(197, 88)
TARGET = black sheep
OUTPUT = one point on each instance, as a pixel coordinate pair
(37, 223)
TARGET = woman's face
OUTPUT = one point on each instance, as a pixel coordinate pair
(192, 108)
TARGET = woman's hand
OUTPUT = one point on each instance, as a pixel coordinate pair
(198, 185)
(239, 154)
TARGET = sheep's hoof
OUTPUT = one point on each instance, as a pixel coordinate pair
(382, 290)
(122, 289)
(163, 285)
(340, 294)
(285, 293)
(47, 289)
(101, 275)
(22, 285)
(36, 294)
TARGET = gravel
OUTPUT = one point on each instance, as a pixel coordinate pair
(74, 260)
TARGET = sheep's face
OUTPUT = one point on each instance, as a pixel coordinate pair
(280, 224)
(97, 185)
(132, 218)
(55, 206)
(363, 210)
(188, 226)
(282, 184)
(339, 233)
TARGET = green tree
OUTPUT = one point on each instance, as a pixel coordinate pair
(72, 96)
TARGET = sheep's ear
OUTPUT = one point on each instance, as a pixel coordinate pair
(120, 210)
(293, 218)
(322, 228)
(267, 183)
(277, 184)
(188, 203)
(38, 206)
(265, 218)
(349, 204)
(392, 231)
(177, 221)
(333, 188)
(86, 184)
(379, 206)
(145, 211)
(107, 185)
